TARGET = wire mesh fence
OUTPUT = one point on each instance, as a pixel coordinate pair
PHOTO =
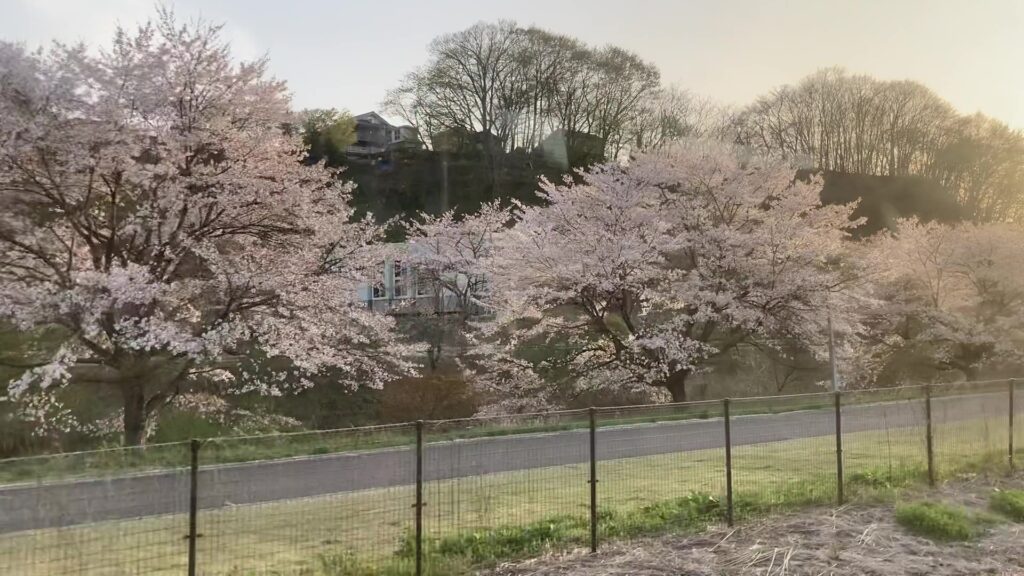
(120, 511)
(659, 466)
(439, 497)
(1016, 419)
(772, 438)
(485, 479)
(345, 499)
(884, 438)
(970, 426)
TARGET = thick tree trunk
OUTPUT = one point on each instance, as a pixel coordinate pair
(971, 372)
(676, 385)
(134, 396)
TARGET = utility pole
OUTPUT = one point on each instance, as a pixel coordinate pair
(832, 354)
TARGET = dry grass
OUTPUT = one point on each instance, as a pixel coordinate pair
(856, 539)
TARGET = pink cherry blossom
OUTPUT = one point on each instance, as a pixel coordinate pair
(154, 208)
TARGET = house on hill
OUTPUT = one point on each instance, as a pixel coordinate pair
(376, 136)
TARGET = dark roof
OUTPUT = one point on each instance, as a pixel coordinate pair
(380, 119)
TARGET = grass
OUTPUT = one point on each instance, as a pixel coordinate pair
(347, 564)
(690, 513)
(121, 460)
(484, 519)
(1009, 503)
(938, 521)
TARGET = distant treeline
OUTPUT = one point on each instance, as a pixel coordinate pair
(857, 124)
(498, 105)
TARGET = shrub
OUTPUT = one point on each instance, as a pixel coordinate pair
(436, 396)
(937, 521)
(1009, 503)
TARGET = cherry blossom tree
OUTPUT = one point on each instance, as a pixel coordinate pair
(637, 275)
(951, 299)
(451, 253)
(447, 255)
(155, 210)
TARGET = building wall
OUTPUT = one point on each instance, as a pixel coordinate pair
(374, 134)
(399, 291)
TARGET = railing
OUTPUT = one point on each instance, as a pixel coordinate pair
(437, 497)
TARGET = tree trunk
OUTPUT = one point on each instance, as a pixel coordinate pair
(676, 385)
(134, 396)
(971, 372)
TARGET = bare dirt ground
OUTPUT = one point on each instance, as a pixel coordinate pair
(855, 539)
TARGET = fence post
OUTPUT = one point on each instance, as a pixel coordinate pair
(1012, 385)
(728, 463)
(839, 448)
(193, 505)
(928, 433)
(593, 479)
(419, 497)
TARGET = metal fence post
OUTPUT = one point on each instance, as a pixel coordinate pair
(728, 463)
(839, 448)
(593, 479)
(1012, 385)
(419, 497)
(928, 433)
(193, 505)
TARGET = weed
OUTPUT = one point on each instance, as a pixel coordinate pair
(490, 545)
(937, 521)
(687, 514)
(1009, 503)
(347, 564)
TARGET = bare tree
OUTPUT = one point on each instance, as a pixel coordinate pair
(508, 87)
(857, 124)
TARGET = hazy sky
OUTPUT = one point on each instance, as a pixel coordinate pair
(347, 53)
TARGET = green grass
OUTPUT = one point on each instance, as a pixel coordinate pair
(480, 519)
(485, 546)
(937, 521)
(1009, 503)
(347, 564)
(227, 450)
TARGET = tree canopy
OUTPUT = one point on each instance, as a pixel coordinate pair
(157, 212)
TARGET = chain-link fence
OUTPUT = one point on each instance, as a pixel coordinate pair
(440, 497)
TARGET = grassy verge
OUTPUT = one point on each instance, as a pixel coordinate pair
(121, 460)
(484, 519)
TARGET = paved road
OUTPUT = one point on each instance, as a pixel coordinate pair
(48, 505)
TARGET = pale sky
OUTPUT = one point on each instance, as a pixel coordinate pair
(347, 53)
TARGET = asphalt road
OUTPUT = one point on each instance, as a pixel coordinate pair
(57, 504)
